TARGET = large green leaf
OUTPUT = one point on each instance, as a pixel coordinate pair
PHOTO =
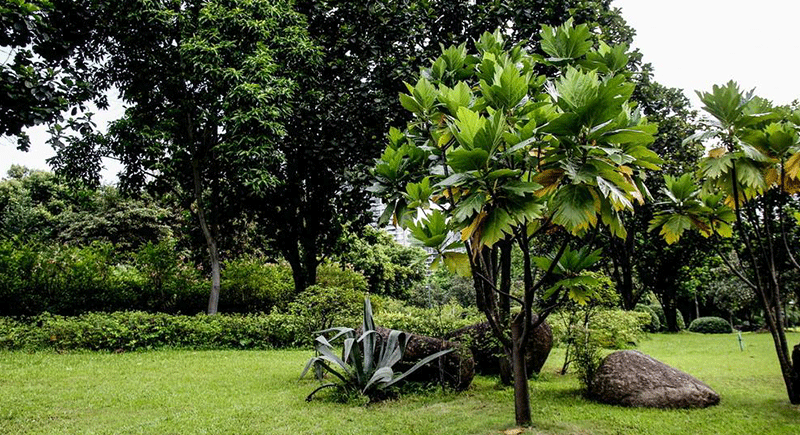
(498, 223)
(566, 41)
(464, 160)
(574, 208)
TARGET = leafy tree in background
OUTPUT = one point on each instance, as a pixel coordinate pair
(748, 181)
(497, 155)
(207, 84)
(50, 55)
(344, 103)
(639, 262)
(37, 206)
(390, 268)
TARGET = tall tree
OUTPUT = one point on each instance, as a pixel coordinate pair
(747, 181)
(206, 83)
(498, 156)
(50, 50)
(346, 101)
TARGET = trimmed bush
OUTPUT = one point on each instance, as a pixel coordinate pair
(710, 325)
(432, 322)
(135, 330)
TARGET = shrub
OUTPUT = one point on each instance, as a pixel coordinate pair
(321, 307)
(442, 287)
(611, 328)
(334, 275)
(71, 280)
(433, 322)
(251, 285)
(655, 324)
(710, 325)
(135, 330)
(659, 310)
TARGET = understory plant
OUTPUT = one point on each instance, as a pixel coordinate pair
(367, 358)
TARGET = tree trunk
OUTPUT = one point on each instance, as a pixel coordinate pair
(522, 396)
(670, 311)
(213, 298)
(213, 251)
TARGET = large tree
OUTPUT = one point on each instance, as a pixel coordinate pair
(748, 182)
(50, 57)
(345, 102)
(500, 157)
(206, 85)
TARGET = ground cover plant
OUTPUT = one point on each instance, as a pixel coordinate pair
(257, 392)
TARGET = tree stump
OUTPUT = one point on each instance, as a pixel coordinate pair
(487, 350)
(455, 369)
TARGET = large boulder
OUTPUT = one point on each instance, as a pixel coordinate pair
(456, 369)
(631, 378)
(486, 349)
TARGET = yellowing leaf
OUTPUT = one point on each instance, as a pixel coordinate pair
(771, 177)
(717, 152)
(549, 180)
(469, 231)
(792, 166)
(457, 262)
(626, 170)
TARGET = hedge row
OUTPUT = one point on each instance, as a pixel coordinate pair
(135, 330)
(138, 330)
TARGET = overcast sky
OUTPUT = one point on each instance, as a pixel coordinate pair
(692, 44)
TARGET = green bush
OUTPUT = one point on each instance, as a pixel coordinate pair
(655, 324)
(433, 322)
(134, 330)
(321, 307)
(334, 275)
(71, 280)
(611, 328)
(710, 325)
(249, 284)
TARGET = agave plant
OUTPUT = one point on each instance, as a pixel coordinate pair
(367, 358)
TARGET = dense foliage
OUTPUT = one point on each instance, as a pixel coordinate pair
(710, 325)
(135, 330)
(68, 280)
(499, 156)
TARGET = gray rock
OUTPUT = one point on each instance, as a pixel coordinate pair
(631, 378)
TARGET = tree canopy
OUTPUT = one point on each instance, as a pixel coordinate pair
(497, 155)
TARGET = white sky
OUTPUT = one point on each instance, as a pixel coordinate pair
(692, 44)
(695, 44)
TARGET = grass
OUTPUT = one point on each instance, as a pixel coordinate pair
(257, 392)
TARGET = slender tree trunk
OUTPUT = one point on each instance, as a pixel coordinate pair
(522, 396)
(213, 251)
(506, 374)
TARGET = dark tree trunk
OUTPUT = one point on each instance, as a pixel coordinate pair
(621, 254)
(522, 396)
(670, 309)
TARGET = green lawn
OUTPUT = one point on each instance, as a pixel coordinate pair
(240, 392)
